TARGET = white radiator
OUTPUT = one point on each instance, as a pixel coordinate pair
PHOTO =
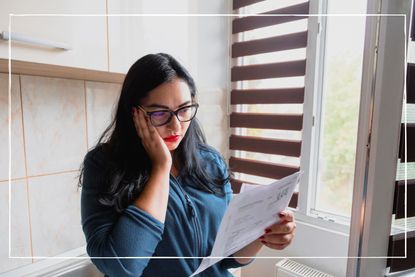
(288, 268)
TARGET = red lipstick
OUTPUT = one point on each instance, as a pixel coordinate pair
(171, 138)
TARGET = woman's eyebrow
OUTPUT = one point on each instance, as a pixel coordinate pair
(165, 107)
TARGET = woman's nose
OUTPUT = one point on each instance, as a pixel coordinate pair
(174, 123)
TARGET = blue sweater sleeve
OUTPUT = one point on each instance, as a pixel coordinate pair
(132, 233)
(229, 262)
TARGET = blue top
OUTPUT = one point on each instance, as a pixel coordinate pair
(192, 221)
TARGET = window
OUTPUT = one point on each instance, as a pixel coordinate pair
(336, 110)
(328, 142)
(268, 90)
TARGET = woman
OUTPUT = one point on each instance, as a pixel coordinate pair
(152, 187)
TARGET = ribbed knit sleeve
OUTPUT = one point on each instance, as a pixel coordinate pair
(132, 233)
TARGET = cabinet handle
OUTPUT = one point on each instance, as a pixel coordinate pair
(30, 40)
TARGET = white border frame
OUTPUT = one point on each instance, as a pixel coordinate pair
(77, 257)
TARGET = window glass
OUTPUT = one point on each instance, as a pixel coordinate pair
(339, 114)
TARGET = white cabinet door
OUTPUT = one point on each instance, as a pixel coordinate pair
(136, 33)
(200, 42)
(86, 35)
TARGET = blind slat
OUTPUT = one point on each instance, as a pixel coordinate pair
(265, 145)
(410, 82)
(269, 70)
(254, 22)
(268, 96)
(237, 184)
(410, 132)
(237, 4)
(397, 249)
(267, 121)
(264, 169)
(399, 199)
(296, 68)
(272, 44)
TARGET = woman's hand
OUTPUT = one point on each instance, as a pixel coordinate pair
(152, 142)
(279, 235)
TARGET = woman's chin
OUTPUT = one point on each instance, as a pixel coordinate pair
(172, 145)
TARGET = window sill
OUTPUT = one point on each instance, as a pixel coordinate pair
(314, 220)
(53, 266)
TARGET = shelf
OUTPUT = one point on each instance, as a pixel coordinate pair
(57, 71)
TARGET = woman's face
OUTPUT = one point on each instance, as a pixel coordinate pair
(171, 95)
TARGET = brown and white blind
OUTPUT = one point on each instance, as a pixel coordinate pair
(402, 194)
(268, 74)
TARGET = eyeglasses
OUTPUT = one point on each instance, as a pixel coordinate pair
(162, 117)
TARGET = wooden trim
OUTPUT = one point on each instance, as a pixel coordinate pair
(410, 79)
(410, 132)
(397, 249)
(269, 70)
(264, 169)
(237, 4)
(268, 96)
(254, 22)
(57, 71)
(272, 44)
(265, 145)
(267, 121)
(399, 199)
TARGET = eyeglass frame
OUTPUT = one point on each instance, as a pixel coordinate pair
(196, 105)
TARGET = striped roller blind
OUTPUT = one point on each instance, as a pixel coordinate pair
(244, 119)
(402, 192)
(412, 36)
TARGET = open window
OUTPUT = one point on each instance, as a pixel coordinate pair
(296, 92)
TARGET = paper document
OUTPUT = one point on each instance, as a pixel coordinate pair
(247, 216)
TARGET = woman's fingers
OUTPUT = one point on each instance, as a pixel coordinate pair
(276, 246)
(279, 235)
(278, 239)
(281, 228)
(142, 124)
(150, 138)
(286, 216)
(151, 129)
(135, 121)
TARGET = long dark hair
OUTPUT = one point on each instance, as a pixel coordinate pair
(129, 165)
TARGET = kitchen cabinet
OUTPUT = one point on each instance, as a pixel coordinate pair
(62, 21)
(199, 42)
(133, 33)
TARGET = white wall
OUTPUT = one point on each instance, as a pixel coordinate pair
(319, 247)
(209, 65)
(54, 122)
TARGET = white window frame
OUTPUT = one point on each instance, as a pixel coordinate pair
(312, 125)
(378, 141)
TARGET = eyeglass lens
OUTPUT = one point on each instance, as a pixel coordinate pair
(184, 114)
